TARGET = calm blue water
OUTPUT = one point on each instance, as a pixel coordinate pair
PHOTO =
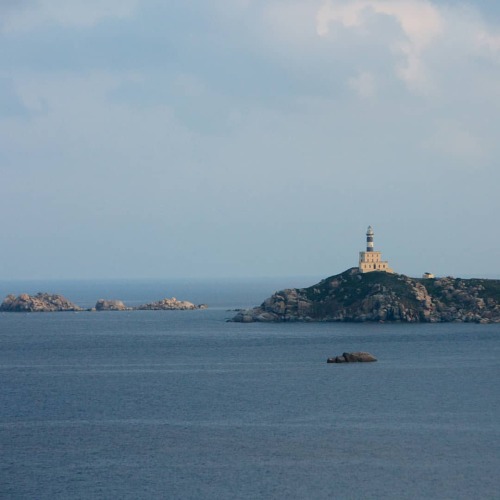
(181, 404)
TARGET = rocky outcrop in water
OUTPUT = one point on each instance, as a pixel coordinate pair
(380, 296)
(41, 302)
(353, 357)
(170, 304)
(111, 305)
(45, 302)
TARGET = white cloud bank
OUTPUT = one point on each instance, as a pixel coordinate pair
(424, 29)
(420, 23)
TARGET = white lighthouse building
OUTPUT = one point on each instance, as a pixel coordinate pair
(370, 260)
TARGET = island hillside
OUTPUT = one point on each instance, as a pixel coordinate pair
(381, 296)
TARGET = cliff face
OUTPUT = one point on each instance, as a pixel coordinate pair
(41, 302)
(379, 296)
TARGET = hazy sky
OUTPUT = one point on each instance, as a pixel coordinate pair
(183, 138)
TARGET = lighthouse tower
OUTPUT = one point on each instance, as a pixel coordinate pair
(371, 260)
(369, 239)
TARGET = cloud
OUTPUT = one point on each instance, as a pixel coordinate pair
(420, 24)
(291, 21)
(489, 42)
(188, 85)
(194, 120)
(363, 84)
(26, 15)
(10, 103)
(453, 140)
(420, 21)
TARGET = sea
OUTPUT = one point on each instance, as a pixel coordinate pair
(186, 405)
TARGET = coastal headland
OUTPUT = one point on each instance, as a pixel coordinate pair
(378, 296)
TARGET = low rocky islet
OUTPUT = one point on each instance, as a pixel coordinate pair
(45, 302)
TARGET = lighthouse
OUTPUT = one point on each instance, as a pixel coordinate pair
(369, 239)
(370, 260)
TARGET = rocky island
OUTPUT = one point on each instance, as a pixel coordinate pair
(382, 297)
(41, 302)
(171, 304)
(45, 302)
(111, 305)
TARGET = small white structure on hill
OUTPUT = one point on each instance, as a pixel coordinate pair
(370, 260)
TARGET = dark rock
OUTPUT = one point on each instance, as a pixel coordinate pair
(336, 359)
(353, 357)
(358, 357)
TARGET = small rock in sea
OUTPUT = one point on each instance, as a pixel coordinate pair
(353, 357)
(170, 304)
(110, 305)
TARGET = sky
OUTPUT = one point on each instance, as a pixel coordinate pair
(248, 138)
